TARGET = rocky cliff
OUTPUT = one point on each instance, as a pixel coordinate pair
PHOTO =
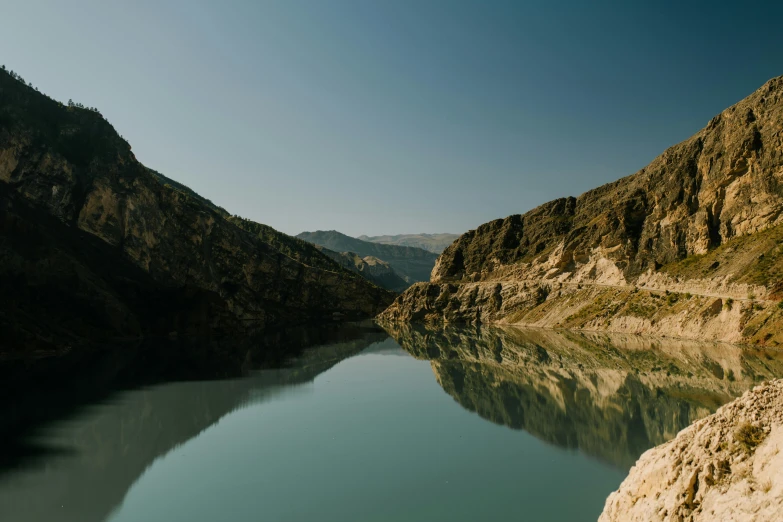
(96, 246)
(689, 246)
(612, 396)
(413, 264)
(728, 466)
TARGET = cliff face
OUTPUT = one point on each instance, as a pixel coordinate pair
(413, 264)
(718, 196)
(611, 396)
(728, 466)
(67, 179)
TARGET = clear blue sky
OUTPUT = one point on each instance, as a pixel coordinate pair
(392, 116)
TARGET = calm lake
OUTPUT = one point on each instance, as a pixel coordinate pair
(452, 425)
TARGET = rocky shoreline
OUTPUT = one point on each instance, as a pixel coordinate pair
(624, 309)
(728, 466)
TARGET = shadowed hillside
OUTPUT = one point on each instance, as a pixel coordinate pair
(95, 247)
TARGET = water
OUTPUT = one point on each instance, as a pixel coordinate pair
(459, 425)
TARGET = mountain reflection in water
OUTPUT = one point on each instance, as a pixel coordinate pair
(91, 458)
(610, 396)
(373, 437)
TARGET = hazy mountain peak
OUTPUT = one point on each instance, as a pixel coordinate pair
(412, 263)
(436, 243)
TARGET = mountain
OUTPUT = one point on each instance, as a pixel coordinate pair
(435, 243)
(613, 396)
(689, 246)
(413, 264)
(96, 247)
(371, 268)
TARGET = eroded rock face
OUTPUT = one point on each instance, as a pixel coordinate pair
(728, 466)
(702, 196)
(723, 182)
(67, 170)
(611, 396)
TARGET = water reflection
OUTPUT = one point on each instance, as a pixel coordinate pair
(91, 458)
(611, 396)
(376, 437)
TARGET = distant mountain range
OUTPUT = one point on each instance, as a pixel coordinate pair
(375, 270)
(411, 263)
(436, 243)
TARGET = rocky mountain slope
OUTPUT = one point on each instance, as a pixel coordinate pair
(435, 243)
(728, 466)
(371, 268)
(613, 396)
(413, 264)
(95, 247)
(689, 246)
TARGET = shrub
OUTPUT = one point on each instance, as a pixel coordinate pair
(749, 436)
(541, 294)
(729, 303)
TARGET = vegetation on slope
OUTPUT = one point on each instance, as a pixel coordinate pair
(754, 259)
(293, 247)
(86, 227)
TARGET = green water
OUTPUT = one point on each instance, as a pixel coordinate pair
(485, 426)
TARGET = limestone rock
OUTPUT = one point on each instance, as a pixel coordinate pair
(728, 466)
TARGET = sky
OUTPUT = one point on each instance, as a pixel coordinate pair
(394, 116)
